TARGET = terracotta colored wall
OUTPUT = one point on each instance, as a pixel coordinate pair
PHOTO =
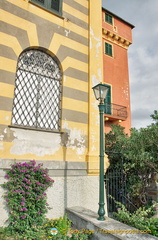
(115, 68)
(122, 28)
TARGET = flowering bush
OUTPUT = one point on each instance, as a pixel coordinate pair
(26, 197)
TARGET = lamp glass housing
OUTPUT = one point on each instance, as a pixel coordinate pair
(100, 91)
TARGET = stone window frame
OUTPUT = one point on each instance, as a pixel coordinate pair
(38, 92)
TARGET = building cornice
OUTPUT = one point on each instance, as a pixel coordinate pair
(115, 38)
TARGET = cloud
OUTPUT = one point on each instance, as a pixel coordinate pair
(141, 117)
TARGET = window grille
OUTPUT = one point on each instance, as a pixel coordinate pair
(37, 96)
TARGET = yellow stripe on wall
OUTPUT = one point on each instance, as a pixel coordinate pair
(74, 63)
(59, 40)
(12, 42)
(6, 90)
(23, 24)
(75, 12)
(75, 105)
(81, 3)
(8, 64)
(69, 125)
(75, 84)
(5, 117)
(28, 6)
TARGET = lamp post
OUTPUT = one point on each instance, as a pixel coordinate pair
(100, 92)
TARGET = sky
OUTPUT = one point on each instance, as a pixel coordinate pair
(142, 55)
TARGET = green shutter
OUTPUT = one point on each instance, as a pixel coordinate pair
(108, 101)
(108, 49)
(40, 2)
(55, 4)
(52, 5)
(108, 18)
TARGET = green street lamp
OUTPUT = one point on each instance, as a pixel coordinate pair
(100, 92)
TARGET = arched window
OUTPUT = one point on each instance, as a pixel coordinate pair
(37, 96)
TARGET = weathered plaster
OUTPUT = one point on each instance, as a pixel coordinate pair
(5, 130)
(1, 146)
(92, 34)
(67, 32)
(100, 73)
(32, 142)
(76, 139)
(125, 92)
(98, 45)
(1, 137)
(95, 80)
(98, 42)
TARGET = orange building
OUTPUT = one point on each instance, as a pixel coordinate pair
(117, 36)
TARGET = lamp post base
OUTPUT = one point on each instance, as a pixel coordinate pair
(101, 212)
(101, 218)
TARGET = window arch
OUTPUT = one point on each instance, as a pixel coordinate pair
(37, 96)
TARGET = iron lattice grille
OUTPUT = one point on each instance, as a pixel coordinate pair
(37, 94)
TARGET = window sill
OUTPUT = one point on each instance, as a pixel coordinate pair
(35, 129)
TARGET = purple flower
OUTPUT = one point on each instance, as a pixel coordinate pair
(23, 170)
(33, 163)
(24, 164)
(40, 164)
(39, 184)
(24, 209)
(36, 168)
(6, 176)
(22, 203)
(23, 217)
(38, 213)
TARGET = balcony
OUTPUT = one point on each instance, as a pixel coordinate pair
(115, 112)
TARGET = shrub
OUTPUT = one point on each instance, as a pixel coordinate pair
(26, 197)
(141, 219)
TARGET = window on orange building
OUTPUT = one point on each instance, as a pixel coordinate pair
(108, 49)
(108, 18)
